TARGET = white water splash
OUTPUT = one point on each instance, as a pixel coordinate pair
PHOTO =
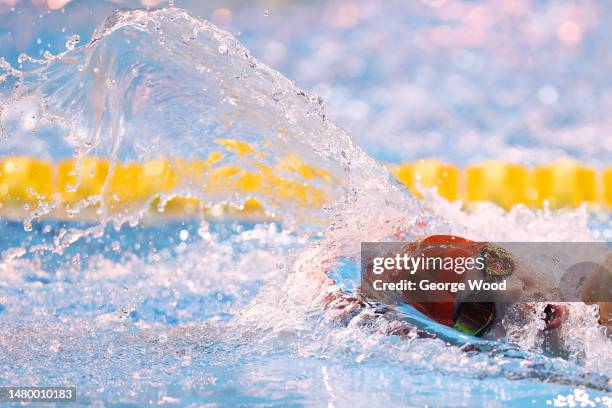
(155, 83)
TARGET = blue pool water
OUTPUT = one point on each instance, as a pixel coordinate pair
(135, 311)
(173, 323)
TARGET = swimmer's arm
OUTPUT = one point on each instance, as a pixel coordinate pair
(351, 310)
(526, 286)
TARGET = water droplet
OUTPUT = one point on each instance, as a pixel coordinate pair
(202, 231)
(184, 235)
(116, 246)
(266, 12)
(72, 42)
(223, 49)
(39, 40)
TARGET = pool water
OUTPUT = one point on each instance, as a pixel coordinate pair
(200, 320)
(133, 311)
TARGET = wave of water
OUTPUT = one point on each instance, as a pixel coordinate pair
(230, 312)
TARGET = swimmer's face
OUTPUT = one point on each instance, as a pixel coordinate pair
(521, 286)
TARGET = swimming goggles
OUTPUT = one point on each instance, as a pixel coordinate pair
(474, 318)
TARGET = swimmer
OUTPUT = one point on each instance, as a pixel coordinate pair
(483, 318)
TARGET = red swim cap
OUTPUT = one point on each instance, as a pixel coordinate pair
(443, 306)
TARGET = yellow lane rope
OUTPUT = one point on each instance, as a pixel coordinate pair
(79, 188)
(67, 187)
(560, 184)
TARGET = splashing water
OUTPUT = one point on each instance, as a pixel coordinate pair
(162, 83)
(231, 312)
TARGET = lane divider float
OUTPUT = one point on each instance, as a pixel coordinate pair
(561, 184)
(79, 188)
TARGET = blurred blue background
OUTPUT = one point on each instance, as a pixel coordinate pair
(523, 80)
